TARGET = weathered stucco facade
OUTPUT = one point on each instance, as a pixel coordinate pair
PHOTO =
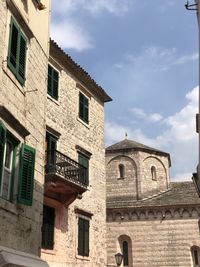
(151, 220)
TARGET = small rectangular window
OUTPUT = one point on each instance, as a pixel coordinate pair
(48, 227)
(83, 107)
(17, 52)
(83, 237)
(84, 161)
(53, 78)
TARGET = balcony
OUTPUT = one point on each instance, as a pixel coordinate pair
(65, 179)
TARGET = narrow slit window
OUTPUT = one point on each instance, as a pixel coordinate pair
(125, 253)
(153, 173)
(121, 171)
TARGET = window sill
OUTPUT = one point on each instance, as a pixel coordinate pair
(52, 99)
(48, 251)
(85, 258)
(84, 123)
(120, 178)
(9, 206)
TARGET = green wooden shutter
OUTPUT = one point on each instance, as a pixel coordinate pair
(53, 78)
(13, 46)
(2, 146)
(80, 236)
(55, 84)
(48, 227)
(86, 238)
(83, 107)
(86, 109)
(22, 58)
(26, 177)
(84, 161)
(17, 52)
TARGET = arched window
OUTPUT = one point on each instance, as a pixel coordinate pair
(121, 170)
(195, 256)
(153, 173)
(125, 253)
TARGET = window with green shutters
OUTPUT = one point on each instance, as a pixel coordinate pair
(53, 77)
(26, 175)
(48, 227)
(83, 237)
(8, 154)
(17, 52)
(84, 161)
(83, 108)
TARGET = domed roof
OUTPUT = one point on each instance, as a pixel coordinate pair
(127, 144)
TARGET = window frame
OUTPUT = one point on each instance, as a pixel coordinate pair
(21, 37)
(83, 245)
(195, 256)
(14, 144)
(125, 253)
(83, 160)
(153, 173)
(51, 82)
(83, 107)
(121, 169)
(45, 230)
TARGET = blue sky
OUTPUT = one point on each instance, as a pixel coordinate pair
(144, 54)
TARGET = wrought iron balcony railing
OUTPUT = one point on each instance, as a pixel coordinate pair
(68, 169)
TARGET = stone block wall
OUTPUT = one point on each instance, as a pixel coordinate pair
(155, 242)
(20, 224)
(126, 186)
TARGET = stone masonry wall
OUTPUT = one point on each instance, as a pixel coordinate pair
(20, 224)
(162, 243)
(147, 185)
(116, 186)
(62, 115)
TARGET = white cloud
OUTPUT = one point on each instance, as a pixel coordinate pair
(69, 35)
(183, 177)
(179, 137)
(66, 28)
(160, 59)
(152, 117)
(116, 7)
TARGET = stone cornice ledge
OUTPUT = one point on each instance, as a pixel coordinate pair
(158, 213)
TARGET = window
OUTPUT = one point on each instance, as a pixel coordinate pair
(17, 52)
(125, 253)
(53, 78)
(195, 256)
(83, 107)
(84, 161)
(51, 146)
(153, 173)
(83, 237)
(48, 227)
(121, 171)
(8, 149)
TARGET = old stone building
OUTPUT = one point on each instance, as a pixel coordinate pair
(24, 49)
(150, 220)
(52, 168)
(74, 197)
